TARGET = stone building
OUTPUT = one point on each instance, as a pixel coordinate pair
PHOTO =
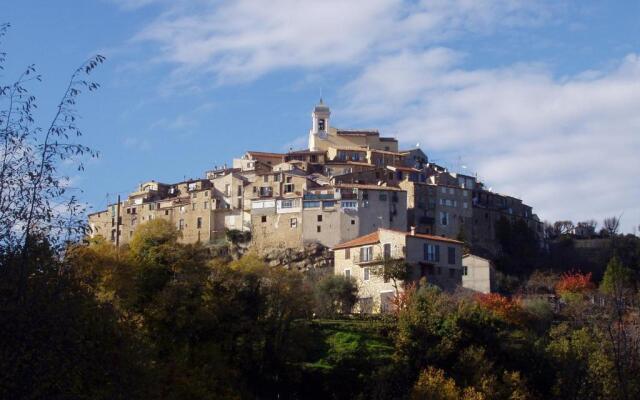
(478, 274)
(434, 258)
(346, 184)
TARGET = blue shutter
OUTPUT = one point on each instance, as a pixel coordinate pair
(437, 253)
(426, 251)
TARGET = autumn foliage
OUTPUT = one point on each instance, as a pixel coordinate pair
(505, 307)
(574, 283)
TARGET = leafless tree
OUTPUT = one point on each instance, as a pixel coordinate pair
(35, 201)
(611, 225)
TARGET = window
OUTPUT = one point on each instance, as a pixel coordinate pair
(166, 212)
(347, 254)
(128, 211)
(289, 187)
(312, 204)
(328, 204)
(276, 177)
(265, 178)
(452, 272)
(152, 206)
(353, 222)
(227, 189)
(444, 218)
(319, 218)
(347, 273)
(239, 190)
(465, 204)
(193, 206)
(321, 124)
(383, 197)
(439, 270)
(366, 253)
(263, 219)
(465, 193)
(431, 252)
(451, 190)
(206, 194)
(318, 228)
(444, 190)
(349, 204)
(293, 222)
(365, 272)
(181, 224)
(451, 255)
(286, 204)
(194, 195)
(205, 205)
(199, 223)
(465, 271)
(387, 251)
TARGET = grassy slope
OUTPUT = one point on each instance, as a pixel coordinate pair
(335, 341)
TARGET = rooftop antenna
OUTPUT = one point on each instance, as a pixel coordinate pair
(321, 95)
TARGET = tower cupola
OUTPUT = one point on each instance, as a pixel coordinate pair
(319, 124)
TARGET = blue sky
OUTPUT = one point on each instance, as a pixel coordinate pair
(540, 98)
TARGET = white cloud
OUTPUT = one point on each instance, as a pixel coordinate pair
(244, 39)
(567, 146)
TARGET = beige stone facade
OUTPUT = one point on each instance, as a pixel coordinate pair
(434, 259)
(346, 184)
(478, 274)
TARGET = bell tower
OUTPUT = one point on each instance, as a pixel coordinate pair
(320, 125)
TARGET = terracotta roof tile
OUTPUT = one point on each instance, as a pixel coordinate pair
(369, 187)
(374, 237)
(371, 238)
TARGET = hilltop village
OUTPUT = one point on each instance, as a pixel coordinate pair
(349, 191)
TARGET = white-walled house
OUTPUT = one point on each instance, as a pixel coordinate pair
(434, 258)
(478, 274)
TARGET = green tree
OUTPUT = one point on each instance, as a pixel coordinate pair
(617, 278)
(335, 295)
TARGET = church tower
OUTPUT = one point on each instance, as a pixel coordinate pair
(320, 125)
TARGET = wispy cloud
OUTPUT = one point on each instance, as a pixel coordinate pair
(245, 39)
(568, 146)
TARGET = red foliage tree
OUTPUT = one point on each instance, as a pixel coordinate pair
(574, 283)
(505, 307)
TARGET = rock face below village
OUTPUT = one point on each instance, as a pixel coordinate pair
(313, 258)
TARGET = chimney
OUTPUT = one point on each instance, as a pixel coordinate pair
(413, 231)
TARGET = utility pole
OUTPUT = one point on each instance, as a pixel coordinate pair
(118, 225)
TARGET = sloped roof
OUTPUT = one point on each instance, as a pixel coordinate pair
(374, 237)
(371, 238)
(369, 187)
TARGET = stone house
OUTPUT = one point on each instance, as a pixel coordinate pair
(478, 274)
(436, 259)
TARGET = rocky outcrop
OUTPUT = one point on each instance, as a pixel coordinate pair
(313, 257)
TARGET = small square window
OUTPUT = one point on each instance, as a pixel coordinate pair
(353, 222)
(166, 212)
(263, 218)
(319, 218)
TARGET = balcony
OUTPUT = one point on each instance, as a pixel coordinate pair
(265, 192)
